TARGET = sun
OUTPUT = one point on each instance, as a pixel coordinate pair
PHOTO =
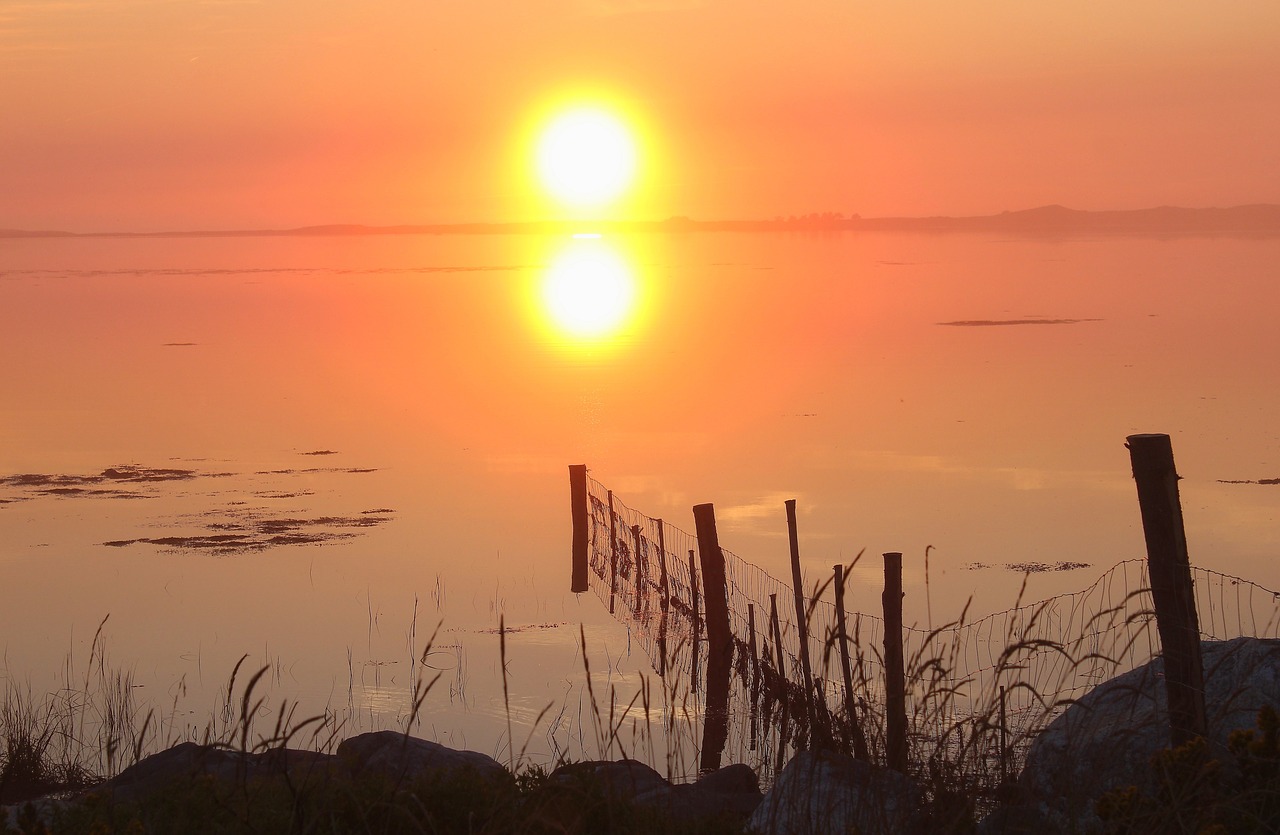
(588, 290)
(586, 157)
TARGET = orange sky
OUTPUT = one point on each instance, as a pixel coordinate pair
(172, 114)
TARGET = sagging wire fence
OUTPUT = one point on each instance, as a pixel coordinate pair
(976, 692)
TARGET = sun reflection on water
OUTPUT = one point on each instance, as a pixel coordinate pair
(588, 293)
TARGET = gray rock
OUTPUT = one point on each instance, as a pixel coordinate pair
(620, 781)
(188, 760)
(401, 757)
(821, 793)
(1106, 740)
(730, 793)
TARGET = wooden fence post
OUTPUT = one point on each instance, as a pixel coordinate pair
(895, 698)
(613, 554)
(777, 637)
(802, 622)
(664, 600)
(638, 566)
(715, 593)
(783, 695)
(753, 649)
(715, 596)
(663, 580)
(697, 623)
(581, 526)
(1172, 588)
(855, 728)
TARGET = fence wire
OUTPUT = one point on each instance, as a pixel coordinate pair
(977, 691)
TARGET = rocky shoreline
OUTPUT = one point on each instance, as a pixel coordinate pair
(1113, 738)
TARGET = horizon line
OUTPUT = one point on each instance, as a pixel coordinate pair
(1050, 217)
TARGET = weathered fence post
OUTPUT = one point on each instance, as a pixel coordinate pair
(783, 694)
(613, 554)
(1172, 588)
(697, 624)
(895, 687)
(715, 595)
(855, 728)
(663, 580)
(715, 592)
(802, 622)
(664, 601)
(581, 526)
(777, 637)
(1004, 741)
(638, 565)
(753, 651)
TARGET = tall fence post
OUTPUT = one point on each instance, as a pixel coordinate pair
(776, 628)
(753, 650)
(855, 728)
(664, 600)
(715, 595)
(802, 622)
(895, 698)
(783, 694)
(581, 526)
(613, 554)
(1172, 588)
(638, 567)
(696, 626)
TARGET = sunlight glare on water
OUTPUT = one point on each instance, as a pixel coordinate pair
(588, 290)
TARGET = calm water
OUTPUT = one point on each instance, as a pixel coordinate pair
(285, 447)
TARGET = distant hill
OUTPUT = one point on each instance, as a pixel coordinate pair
(1164, 220)
(1259, 219)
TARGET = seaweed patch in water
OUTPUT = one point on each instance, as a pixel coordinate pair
(528, 627)
(314, 470)
(242, 532)
(111, 483)
(982, 323)
(1030, 567)
(1249, 481)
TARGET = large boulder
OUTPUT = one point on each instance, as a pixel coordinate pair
(618, 782)
(728, 795)
(399, 757)
(188, 761)
(822, 793)
(1106, 740)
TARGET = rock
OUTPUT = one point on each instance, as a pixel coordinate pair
(620, 781)
(188, 760)
(822, 793)
(401, 757)
(729, 794)
(1106, 740)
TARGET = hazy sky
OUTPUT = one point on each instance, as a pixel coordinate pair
(168, 114)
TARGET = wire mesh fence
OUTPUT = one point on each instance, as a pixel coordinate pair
(977, 692)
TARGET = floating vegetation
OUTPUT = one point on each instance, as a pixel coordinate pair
(1030, 567)
(231, 525)
(982, 323)
(111, 483)
(528, 627)
(248, 534)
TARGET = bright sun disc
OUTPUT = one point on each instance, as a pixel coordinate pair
(586, 157)
(588, 289)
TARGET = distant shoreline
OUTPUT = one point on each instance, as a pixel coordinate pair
(1261, 220)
